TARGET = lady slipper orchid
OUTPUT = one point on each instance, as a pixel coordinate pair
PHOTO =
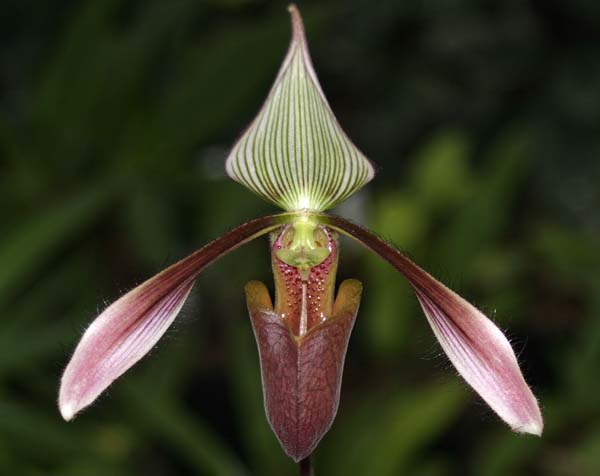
(295, 155)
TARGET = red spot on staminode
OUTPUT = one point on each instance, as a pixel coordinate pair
(319, 289)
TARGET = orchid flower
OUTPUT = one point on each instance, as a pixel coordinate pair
(295, 155)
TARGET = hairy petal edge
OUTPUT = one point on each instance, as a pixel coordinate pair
(473, 343)
(129, 328)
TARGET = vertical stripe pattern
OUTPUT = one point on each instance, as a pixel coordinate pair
(295, 154)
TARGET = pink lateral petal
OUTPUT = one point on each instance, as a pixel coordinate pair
(473, 343)
(115, 341)
(485, 359)
(129, 328)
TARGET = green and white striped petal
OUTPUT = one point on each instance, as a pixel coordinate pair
(295, 154)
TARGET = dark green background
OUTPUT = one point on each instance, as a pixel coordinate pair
(483, 119)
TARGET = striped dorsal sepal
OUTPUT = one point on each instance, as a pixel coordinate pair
(295, 154)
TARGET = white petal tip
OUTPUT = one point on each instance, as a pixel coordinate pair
(533, 428)
(67, 410)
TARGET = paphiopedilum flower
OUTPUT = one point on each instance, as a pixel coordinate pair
(295, 155)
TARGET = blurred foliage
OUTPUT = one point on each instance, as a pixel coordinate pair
(484, 121)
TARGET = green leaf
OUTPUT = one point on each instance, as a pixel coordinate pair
(191, 438)
(295, 154)
(28, 246)
(385, 441)
(485, 213)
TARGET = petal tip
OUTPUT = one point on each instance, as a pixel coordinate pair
(297, 23)
(67, 410)
(533, 427)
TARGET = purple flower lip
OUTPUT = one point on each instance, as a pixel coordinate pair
(302, 376)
